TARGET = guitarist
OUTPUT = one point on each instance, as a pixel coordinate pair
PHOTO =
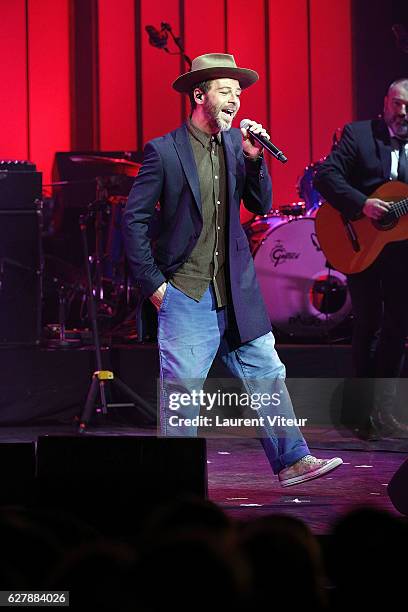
(369, 154)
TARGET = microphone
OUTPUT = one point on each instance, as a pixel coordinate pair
(156, 38)
(269, 146)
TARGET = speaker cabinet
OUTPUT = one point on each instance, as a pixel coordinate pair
(20, 186)
(20, 276)
(17, 479)
(116, 479)
(398, 489)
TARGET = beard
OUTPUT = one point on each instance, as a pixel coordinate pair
(398, 125)
(214, 117)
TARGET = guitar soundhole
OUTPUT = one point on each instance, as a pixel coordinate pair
(386, 223)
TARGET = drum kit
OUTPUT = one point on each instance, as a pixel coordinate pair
(66, 283)
(305, 297)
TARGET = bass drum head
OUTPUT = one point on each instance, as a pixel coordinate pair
(303, 297)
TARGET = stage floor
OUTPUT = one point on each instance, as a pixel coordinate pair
(43, 390)
(242, 483)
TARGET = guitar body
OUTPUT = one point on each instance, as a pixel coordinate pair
(352, 246)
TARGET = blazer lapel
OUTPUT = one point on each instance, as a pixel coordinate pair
(383, 141)
(230, 163)
(186, 156)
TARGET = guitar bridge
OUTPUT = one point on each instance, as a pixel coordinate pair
(351, 234)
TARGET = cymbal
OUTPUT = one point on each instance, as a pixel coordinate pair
(110, 165)
(73, 182)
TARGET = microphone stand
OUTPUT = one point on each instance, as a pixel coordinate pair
(159, 40)
(167, 27)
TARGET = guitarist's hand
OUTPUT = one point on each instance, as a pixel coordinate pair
(375, 208)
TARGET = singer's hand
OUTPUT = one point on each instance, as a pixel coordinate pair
(251, 147)
(157, 297)
(375, 208)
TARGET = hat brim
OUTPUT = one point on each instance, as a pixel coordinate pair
(185, 83)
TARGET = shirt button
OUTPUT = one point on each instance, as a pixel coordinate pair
(216, 252)
(218, 202)
(216, 176)
(218, 227)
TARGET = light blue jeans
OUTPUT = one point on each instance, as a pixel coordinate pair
(190, 334)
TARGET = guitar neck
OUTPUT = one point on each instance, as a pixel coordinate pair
(399, 209)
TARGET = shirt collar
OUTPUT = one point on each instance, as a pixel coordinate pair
(202, 137)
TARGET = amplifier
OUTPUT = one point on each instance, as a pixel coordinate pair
(20, 185)
(20, 276)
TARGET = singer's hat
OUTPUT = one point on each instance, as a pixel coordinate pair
(214, 66)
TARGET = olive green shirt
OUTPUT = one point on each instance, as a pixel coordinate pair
(206, 263)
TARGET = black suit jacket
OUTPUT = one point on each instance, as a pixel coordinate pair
(359, 164)
(157, 244)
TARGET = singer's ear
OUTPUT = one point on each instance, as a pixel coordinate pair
(198, 94)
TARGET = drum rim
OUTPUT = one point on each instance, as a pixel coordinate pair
(285, 221)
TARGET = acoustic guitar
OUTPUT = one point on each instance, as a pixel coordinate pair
(352, 246)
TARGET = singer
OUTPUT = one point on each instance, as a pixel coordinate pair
(197, 269)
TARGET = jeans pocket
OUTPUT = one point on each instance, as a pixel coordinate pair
(165, 297)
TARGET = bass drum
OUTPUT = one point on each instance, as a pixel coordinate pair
(304, 298)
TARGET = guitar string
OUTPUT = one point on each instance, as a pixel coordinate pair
(400, 208)
(400, 202)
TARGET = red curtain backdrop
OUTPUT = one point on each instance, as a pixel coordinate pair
(301, 49)
(117, 75)
(13, 89)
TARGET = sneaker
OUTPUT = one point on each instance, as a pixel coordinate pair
(307, 468)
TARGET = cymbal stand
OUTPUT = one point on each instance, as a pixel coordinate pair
(99, 206)
(101, 377)
(62, 341)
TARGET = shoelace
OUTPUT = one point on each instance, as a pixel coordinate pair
(309, 459)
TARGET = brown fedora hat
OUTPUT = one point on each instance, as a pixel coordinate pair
(214, 66)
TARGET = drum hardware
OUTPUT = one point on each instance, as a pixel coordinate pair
(101, 378)
(109, 272)
(63, 340)
(108, 181)
(106, 281)
(63, 292)
(306, 190)
(296, 209)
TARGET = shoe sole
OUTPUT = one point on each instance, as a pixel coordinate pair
(330, 465)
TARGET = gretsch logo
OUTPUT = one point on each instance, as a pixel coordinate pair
(279, 255)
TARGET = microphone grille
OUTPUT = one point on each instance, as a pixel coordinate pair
(245, 123)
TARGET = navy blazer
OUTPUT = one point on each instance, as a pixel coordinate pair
(359, 164)
(160, 237)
